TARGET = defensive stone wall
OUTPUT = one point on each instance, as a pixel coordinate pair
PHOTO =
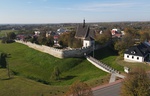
(60, 53)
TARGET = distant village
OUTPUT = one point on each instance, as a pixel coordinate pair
(130, 39)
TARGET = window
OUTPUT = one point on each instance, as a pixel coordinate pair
(127, 56)
(132, 57)
(137, 58)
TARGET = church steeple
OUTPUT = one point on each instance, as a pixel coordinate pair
(83, 22)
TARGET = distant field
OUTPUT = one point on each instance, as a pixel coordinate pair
(3, 32)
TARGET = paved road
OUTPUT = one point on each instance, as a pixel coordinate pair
(112, 89)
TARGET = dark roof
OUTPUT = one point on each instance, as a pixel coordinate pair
(84, 32)
(139, 50)
(89, 38)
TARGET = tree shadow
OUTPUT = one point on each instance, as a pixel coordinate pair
(7, 78)
(68, 78)
(104, 52)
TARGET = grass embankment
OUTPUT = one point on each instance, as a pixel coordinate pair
(20, 86)
(39, 66)
(108, 56)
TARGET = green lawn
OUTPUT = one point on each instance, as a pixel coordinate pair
(20, 86)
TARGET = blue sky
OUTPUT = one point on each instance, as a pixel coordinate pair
(73, 11)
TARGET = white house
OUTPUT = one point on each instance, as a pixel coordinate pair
(139, 53)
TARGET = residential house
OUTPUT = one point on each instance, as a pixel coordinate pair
(86, 34)
(116, 33)
(138, 53)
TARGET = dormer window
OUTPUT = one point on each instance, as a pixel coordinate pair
(133, 52)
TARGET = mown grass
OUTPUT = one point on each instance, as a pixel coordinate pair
(20, 86)
(39, 66)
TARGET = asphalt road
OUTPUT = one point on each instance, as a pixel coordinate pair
(108, 90)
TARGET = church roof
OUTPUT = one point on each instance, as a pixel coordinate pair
(83, 31)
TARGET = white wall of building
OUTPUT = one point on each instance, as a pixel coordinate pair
(133, 58)
(87, 43)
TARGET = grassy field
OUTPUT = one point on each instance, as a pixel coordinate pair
(20, 86)
(3, 32)
(39, 66)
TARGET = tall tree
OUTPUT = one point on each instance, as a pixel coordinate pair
(104, 38)
(137, 83)
(124, 43)
(79, 89)
(3, 62)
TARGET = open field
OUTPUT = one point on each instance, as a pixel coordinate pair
(4, 32)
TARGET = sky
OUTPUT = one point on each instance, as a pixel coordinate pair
(72, 11)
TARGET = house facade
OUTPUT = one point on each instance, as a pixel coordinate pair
(85, 34)
(139, 53)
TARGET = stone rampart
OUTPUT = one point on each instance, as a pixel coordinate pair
(59, 53)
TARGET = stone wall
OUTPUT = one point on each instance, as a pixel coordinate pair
(59, 53)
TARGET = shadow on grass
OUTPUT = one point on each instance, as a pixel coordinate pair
(104, 52)
(68, 78)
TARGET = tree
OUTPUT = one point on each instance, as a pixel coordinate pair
(11, 35)
(136, 83)
(50, 41)
(79, 89)
(3, 62)
(144, 36)
(124, 43)
(56, 74)
(104, 38)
